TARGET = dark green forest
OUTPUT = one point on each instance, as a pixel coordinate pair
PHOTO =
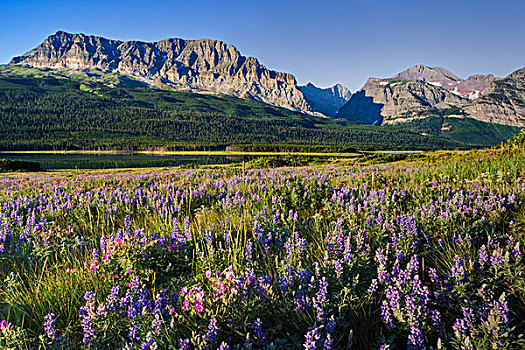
(47, 110)
(445, 123)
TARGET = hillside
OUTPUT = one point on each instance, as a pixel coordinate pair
(503, 101)
(42, 109)
(421, 91)
(326, 101)
(203, 65)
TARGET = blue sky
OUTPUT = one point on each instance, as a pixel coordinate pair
(325, 42)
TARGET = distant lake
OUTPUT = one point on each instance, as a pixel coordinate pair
(121, 160)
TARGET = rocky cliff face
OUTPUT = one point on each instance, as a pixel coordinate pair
(473, 87)
(422, 91)
(383, 101)
(194, 65)
(436, 75)
(470, 88)
(326, 101)
(503, 101)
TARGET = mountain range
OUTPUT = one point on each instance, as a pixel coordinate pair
(205, 66)
(422, 92)
(426, 100)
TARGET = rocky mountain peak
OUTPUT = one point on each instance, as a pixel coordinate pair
(203, 65)
(341, 91)
(437, 75)
(328, 100)
(388, 101)
(420, 92)
(503, 101)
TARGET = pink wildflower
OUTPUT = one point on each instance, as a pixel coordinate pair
(198, 308)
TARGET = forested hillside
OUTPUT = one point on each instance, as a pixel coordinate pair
(47, 110)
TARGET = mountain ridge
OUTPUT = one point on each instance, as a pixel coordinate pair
(203, 65)
(213, 67)
(326, 100)
(421, 91)
(54, 109)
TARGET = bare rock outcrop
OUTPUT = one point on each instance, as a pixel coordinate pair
(195, 65)
(503, 101)
(421, 91)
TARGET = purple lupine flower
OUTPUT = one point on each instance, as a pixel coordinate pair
(224, 346)
(49, 327)
(126, 224)
(496, 258)
(288, 249)
(331, 250)
(413, 267)
(394, 299)
(184, 344)
(410, 307)
(283, 283)
(258, 231)
(312, 337)
(386, 315)
(373, 286)
(435, 315)
(457, 269)
(187, 228)
(91, 299)
(483, 255)
(135, 284)
(209, 242)
(156, 324)
(257, 330)
(87, 324)
(300, 244)
(211, 336)
(516, 252)
(149, 344)
(500, 310)
(328, 342)
(322, 294)
(134, 334)
(463, 325)
(330, 326)
(161, 303)
(432, 273)
(415, 339)
(248, 251)
(6, 239)
(174, 232)
(339, 266)
(113, 299)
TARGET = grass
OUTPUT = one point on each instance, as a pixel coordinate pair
(294, 247)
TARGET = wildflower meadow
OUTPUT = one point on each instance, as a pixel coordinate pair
(425, 254)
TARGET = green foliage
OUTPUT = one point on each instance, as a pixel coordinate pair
(52, 110)
(276, 162)
(188, 231)
(517, 142)
(389, 158)
(470, 131)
